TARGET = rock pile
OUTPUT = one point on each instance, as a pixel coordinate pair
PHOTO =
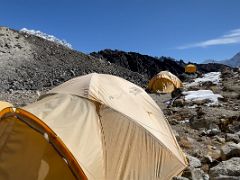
(210, 134)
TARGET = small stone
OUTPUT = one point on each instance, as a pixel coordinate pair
(201, 102)
(215, 154)
(180, 178)
(207, 159)
(238, 133)
(194, 162)
(213, 132)
(232, 137)
(220, 139)
(178, 103)
(230, 150)
(198, 174)
(185, 142)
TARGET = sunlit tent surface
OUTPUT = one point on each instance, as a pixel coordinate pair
(165, 82)
(30, 150)
(112, 128)
(190, 68)
(4, 104)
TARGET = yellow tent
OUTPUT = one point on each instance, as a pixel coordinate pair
(190, 68)
(30, 150)
(104, 128)
(165, 82)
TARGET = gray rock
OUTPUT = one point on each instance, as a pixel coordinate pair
(213, 155)
(207, 159)
(230, 150)
(213, 132)
(198, 174)
(199, 123)
(232, 137)
(180, 178)
(178, 103)
(230, 167)
(220, 139)
(227, 178)
(194, 162)
(201, 102)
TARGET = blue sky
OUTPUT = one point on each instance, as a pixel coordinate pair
(183, 29)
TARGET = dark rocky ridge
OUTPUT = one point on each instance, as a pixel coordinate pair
(149, 66)
(142, 64)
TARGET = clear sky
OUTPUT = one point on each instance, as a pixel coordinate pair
(193, 30)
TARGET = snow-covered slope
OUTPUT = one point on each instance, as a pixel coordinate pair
(214, 77)
(47, 37)
(192, 96)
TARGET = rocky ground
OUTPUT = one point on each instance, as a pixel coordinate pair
(32, 63)
(210, 135)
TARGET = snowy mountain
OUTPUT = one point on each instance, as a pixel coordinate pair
(47, 37)
(233, 62)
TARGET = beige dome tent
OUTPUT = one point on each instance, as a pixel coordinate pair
(112, 129)
(30, 150)
(165, 82)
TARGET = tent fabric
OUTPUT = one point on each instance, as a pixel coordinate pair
(26, 154)
(4, 105)
(112, 127)
(165, 82)
(190, 68)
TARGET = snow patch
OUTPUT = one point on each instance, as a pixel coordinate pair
(214, 77)
(191, 96)
(46, 36)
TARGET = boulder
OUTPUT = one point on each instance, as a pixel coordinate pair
(226, 178)
(185, 142)
(213, 131)
(207, 84)
(198, 123)
(194, 162)
(220, 139)
(198, 174)
(232, 137)
(230, 167)
(230, 150)
(178, 103)
(212, 156)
